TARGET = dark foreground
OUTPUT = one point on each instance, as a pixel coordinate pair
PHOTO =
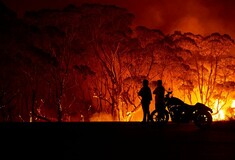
(113, 140)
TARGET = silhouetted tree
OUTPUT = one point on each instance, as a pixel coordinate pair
(57, 35)
(11, 79)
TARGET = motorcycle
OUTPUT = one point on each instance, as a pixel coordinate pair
(180, 112)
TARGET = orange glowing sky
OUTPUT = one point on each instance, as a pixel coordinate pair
(196, 16)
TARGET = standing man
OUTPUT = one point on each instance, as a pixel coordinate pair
(146, 94)
(159, 92)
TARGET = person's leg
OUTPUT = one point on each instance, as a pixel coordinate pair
(145, 112)
(148, 113)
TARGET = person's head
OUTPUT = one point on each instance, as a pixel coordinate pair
(159, 82)
(145, 82)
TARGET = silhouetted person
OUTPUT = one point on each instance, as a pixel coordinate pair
(159, 92)
(146, 94)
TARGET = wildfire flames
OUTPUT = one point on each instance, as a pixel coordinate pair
(221, 112)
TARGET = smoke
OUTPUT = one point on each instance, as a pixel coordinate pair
(196, 16)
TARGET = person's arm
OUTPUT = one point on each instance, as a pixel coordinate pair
(155, 91)
(150, 95)
(140, 92)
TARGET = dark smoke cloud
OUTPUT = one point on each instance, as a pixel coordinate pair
(196, 16)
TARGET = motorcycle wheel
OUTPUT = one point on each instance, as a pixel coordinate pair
(154, 117)
(203, 120)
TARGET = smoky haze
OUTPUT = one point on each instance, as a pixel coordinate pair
(196, 16)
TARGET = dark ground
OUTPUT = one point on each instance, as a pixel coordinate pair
(114, 140)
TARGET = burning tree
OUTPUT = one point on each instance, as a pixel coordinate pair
(209, 74)
(107, 35)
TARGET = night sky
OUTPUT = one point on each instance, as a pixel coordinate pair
(196, 16)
